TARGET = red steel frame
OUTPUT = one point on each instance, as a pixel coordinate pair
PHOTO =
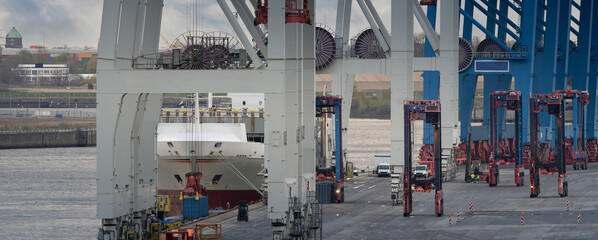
(428, 110)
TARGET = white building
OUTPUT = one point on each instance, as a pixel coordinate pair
(46, 74)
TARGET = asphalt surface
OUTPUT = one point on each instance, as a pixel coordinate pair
(367, 212)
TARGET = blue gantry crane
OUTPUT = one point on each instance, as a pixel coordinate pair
(534, 47)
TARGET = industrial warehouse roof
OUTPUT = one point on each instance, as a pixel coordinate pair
(13, 33)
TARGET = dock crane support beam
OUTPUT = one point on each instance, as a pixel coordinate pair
(343, 83)
(504, 19)
(467, 23)
(490, 16)
(544, 81)
(525, 71)
(282, 119)
(126, 120)
(467, 91)
(374, 25)
(449, 71)
(564, 24)
(591, 127)
(256, 32)
(379, 22)
(308, 111)
(290, 151)
(427, 25)
(431, 78)
(257, 62)
(579, 66)
(401, 78)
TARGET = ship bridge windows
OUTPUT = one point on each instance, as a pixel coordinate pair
(178, 178)
(218, 144)
(216, 179)
(170, 144)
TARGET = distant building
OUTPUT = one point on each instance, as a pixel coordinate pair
(14, 39)
(46, 74)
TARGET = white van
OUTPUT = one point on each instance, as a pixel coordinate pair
(383, 170)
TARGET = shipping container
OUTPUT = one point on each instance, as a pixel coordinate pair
(195, 208)
(325, 192)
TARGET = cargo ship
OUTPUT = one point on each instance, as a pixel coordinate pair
(222, 144)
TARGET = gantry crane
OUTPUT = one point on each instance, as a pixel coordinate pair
(511, 100)
(429, 111)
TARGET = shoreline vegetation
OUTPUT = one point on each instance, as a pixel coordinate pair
(372, 105)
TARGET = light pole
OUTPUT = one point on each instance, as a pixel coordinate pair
(10, 94)
(68, 88)
(39, 95)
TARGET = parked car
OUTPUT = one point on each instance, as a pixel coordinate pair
(383, 170)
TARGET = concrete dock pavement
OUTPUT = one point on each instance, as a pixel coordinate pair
(368, 214)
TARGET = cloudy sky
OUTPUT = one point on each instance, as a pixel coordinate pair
(76, 23)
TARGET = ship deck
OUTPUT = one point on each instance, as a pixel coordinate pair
(367, 212)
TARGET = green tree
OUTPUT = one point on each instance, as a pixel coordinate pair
(23, 57)
(358, 105)
(63, 58)
(91, 65)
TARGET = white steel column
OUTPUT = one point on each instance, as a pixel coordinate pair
(151, 32)
(309, 104)
(293, 107)
(449, 74)
(134, 145)
(108, 35)
(342, 83)
(139, 27)
(126, 35)
(113, 174)
(280, 122)
(126, 121)
(113, 201)
(401, 85)
(148, 178)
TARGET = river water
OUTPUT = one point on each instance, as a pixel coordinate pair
(50, 193)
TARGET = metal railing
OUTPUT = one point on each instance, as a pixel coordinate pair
(501, 55)
(53, 130)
